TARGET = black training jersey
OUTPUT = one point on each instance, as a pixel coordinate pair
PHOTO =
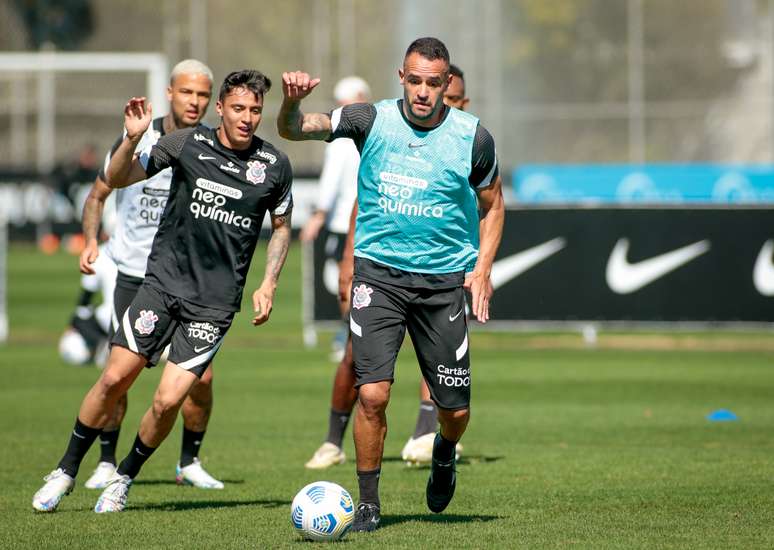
(217, 201)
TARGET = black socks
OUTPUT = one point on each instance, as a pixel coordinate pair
(130, 466)
(369, 486)
(192, 442)
(107, 445)
(337, 425)
(427, 421)
(80, 441)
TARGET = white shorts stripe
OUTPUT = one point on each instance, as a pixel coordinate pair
(356, 329)
(128, 332)
(200, 359)
(463, 348)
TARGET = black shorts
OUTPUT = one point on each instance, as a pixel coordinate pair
(123, 294)
(436, 323)
(155, 319)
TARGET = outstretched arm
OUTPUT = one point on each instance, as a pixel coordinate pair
(276, 253)
(92, 216)
(125, 168)
(292, 124)
(490, 230)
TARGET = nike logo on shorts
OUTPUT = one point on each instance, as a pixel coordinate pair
(453, 317)
(197, 350)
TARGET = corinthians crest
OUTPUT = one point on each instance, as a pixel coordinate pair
(361, 296)
(256, 172)
(146, 322)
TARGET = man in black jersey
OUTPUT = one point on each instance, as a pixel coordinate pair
(138, 212)
(224, 180)
(425, 170)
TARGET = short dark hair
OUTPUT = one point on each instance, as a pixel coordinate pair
(253, 80)
(454, 70)
(428, 47)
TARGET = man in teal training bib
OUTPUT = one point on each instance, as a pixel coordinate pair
(426, 170)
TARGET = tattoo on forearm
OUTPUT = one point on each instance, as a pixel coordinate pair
(316, 125)
(277, 250)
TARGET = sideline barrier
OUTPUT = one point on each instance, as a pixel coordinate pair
(698, 266)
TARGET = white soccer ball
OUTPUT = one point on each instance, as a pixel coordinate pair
(73, 349)
(322, 511)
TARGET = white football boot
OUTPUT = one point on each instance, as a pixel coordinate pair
(195, 475)
(58, 484)
(326, 456)
(101, 476)
(113, 498)
(419, 451)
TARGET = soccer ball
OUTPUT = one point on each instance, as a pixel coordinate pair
(322, 511)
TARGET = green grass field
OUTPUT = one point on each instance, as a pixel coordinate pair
(567, 447)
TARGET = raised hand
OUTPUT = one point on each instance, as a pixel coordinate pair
(296, 85)
(137, 117)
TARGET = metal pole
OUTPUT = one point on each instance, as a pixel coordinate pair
(17, 136)
(636, 83)
(197, 30)
(46, 109)
(347, 42)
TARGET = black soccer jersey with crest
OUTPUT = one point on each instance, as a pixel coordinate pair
(217, 201)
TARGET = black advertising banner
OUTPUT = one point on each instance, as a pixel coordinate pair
(713, 265)
(709, 265)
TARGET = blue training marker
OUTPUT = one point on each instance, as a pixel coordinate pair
(721, 415)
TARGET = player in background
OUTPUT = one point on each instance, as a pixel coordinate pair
(139, 210)
(336, 193)
(85, 340)
(425, 171)
(223, 182)
(419, 447)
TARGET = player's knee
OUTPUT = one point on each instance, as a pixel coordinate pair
(112, 385)
(455, 417)
(166, 404)
(373, 398)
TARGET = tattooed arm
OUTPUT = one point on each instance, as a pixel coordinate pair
(276, 252)
(291, 122)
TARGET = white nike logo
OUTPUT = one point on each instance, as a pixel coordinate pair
(136, 450)
(624, 277)
(79, 436)
(205, 157)
(763, 273)
(197, 350)
(511, 267)
(453, 317)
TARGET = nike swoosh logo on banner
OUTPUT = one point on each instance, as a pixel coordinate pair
(624, 277)
(453, 317)
(511, 267)
(197, 350)
(204, 157)
(763, 273)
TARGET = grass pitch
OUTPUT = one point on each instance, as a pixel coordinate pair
(567, 447)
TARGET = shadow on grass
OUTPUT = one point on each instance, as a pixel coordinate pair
(204, 504)
(173, 482)
(464, 459)
(395, 519)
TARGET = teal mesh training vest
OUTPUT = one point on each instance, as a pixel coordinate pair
(416, 209)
